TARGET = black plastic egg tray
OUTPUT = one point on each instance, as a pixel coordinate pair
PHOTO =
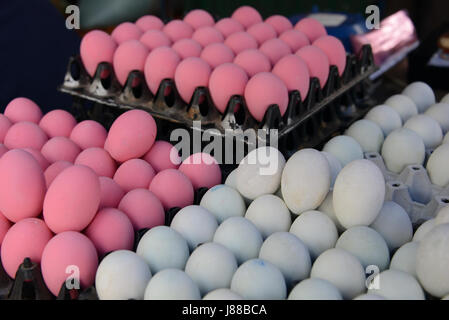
(29, 284)
(307, 122)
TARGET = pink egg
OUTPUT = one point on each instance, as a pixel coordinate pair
(5, 224)
(23, 109)
(187, 48)
(25, 135)
(153, 39)
(173, 189)
(312, 28)
(216, 54)
(5, 124)
(241, 41)
(22, 186)
(3, 150)
(263, 90)
(279, 23)
(149, 22)
(37, 155)
(177, 30)
(190, 74)
(228, 26)
(161, 64)
(133, 174)
(295, 39)
(275, 49)
(199, 18)
(253, 61)
(89, 134)
(65, 252)
(143, 208)
(98, 160)
(58, 123)
(247, 16)
(54, 170)
(97, 46)
(317, 62)
(26, 239)
(202, 169)
(111, 230)
(129, 56)
(225, 81)
(111, 193)
(60, 148)
(163, 155)
(131, 135)
(294, 72)
(334, 50)
(126, 31)
(262, 32)
(207, 35)
(72, 199)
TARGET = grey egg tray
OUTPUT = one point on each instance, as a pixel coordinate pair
(412, 190)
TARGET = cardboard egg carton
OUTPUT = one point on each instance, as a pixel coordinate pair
(412, 190)
(306, 123)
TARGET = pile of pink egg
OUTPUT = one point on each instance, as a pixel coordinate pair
(239, 55)
(71, 192)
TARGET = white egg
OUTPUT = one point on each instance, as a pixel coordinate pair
(196, 224)
(422, 94)
(403, 147)
(438, 166)
(260, 172)
(269, 214)
(432, 261)
(397, 285)
(172, 284)
(445, 99)
(240, 236)
(334, 166)
(367, 296)
(222, 294)
(327, 207)
(403, 105)
(316, 230)
(423, 230)
(122, 275)
(368, 134)
(386, 118)
(427, 128)
(305, 180)
(367, 245)
(163, 248)
(404, 258)
(446, 139)
(315, 289)
(257, 279)
(346, 149)
(442, 216)
(394, 225)
(440, 113)
(289, 254)
(343, 270)
(359, 194)
(231, 181)
(223, 202)
(211, 266)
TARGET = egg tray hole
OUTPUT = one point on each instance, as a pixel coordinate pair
(412, 189)
(346, 94)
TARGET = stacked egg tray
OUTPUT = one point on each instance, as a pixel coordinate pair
(306, 123)
(29, 284)
(412, 190)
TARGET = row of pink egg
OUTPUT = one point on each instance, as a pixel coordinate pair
(226, 56)
(69, 193)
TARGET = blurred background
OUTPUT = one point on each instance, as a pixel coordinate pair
(36, 44)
